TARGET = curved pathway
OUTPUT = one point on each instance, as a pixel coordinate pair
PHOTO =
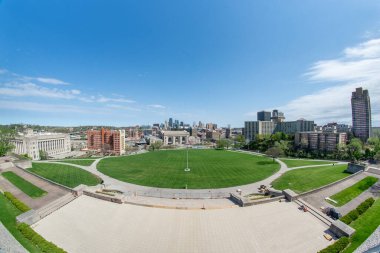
(139, 190)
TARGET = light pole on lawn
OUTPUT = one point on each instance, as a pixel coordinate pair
(187, 158)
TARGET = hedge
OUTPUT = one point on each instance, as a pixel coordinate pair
(38, 240)
(354, 214)
(16, 202)
(337, 247)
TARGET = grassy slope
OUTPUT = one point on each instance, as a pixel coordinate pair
(8, 214)
(365, 225)
(64, 174)
(353, 191)
(298, 163)
(78, 162)
(209, 169)
(25, 186)
(302, 180)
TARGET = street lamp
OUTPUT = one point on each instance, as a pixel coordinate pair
(187, 169)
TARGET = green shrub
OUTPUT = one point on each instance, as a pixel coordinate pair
(337, 247)
(365, 205)
(38, 240)
(354, 214)
(346, 219)
(16, 202)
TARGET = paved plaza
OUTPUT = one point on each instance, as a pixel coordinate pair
(92, 225)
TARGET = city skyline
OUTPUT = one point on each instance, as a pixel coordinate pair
(220, 66)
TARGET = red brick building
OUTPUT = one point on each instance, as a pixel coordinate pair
(110, 140)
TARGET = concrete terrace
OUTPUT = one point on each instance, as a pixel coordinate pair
(99, 226)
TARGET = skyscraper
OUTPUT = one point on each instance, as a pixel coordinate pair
(170, 122)
(263, 116)
(361, 114)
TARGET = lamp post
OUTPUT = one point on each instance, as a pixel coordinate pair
(187, 159)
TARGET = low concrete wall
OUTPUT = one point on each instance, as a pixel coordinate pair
(341, 229)
(374, 171)
(243, 201)
(24, 164)
(114, 199)
(354, 168)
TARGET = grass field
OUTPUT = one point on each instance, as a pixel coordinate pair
(209, 169)
(65, 174)
(302, 180)
(297, 163)
(364, 225)
(86, 162)
(353, 191)
(25, 186)
(8, 214)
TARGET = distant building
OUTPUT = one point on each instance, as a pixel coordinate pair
(361, 114)
(31, 143)
(211, 126)
(253, 128)
(112, 141)
(170, 122)
(319, 141)
(175, 137)
(336, 128)
(263, 116)
(213, 135)
(277, 116)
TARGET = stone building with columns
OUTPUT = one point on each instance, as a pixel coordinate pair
(175, 137)
(31, 143)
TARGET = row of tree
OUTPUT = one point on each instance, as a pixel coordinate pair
(280, 144)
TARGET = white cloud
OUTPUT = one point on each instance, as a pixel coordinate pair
(157, 106)
(50, 81)
(359, 67)
(368, 49)
(43, 107)
(32, 90)
(102, 99)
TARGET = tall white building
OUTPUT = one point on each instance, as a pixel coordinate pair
(31, 143)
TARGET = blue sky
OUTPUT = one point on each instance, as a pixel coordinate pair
(140, 62)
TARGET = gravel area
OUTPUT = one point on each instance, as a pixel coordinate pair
(8, 243)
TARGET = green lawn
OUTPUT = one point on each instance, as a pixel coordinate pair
(25, 186)
(8, 214)
(209, 169)
(302, 180)
(364, 225)
(86, 162)
(297, 163)
(353, 191)
(65, 174)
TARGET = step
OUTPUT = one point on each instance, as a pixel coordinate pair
(318, 214)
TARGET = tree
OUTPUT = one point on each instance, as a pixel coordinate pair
(274, 152)
(377, 156)
(155, 146)
(43, 155)
(6, 135)
(355, 149)
(239, 141)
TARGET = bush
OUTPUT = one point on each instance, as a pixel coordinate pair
(354, 214)
(38, 240)
(365, 205)
(337, 247)
(16, 202)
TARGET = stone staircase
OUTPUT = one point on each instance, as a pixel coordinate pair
(315, 212)
(55, 205)
(33, 216)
